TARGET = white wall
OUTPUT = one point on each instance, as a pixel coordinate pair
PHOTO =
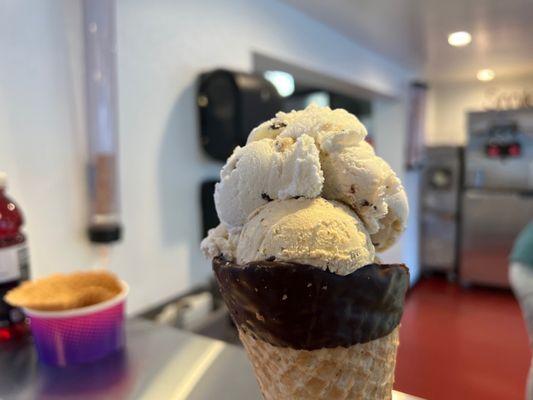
(390, 122)
(162, 46)
(449, 103)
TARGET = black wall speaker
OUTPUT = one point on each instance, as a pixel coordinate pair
(230, 105)
(209, 212)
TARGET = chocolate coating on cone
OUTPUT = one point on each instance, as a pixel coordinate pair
(303, 307)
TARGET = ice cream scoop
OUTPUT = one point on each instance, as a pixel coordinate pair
(318, 232)
(220, 242)
(393, 224)
(265, 170)
(357, 177)
(317, 122)
(339, 164)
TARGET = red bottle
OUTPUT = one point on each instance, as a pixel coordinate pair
(13, 263)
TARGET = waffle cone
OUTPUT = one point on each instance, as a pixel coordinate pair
(360, 372)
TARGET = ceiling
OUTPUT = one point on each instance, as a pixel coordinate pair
(414, 33)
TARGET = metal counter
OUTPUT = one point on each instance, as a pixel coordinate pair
(159, 363)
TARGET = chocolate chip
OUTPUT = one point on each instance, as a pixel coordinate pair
(271, 258)
(278, 125)
(266, 197)
(375, 207)
(365, 203)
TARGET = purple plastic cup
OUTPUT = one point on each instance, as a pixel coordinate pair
(81, 335)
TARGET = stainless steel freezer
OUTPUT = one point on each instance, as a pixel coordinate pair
(441, 183)
(499, 130)
(497, 197)
(490, 224)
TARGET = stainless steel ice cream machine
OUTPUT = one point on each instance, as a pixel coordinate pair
(476, 200)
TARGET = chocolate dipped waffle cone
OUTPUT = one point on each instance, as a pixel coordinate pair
(311, 334)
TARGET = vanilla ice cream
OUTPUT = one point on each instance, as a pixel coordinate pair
(265, 170)
(393, 224)
(357, 177)
(318, 232)
(311, 153)
(320, 123)
(220, 242)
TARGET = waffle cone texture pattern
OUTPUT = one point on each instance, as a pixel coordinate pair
(363, 371)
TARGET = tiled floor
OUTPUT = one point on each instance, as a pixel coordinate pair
(462, 344)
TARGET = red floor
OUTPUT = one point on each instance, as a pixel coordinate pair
(462, 344)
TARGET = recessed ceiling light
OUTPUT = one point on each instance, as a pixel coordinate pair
(459, 39)
(485, 75)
